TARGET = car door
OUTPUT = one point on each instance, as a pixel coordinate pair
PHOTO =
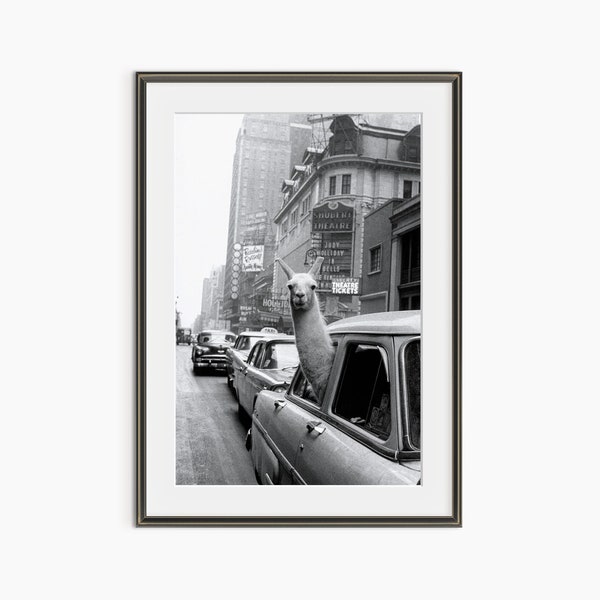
(252, 378)
(244, 389)
(282, 420)
(355, 440)
(239, 361)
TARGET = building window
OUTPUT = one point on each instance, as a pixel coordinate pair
(346, 184)
(375, 263)
(410, 246)
(332, 185)
(409, 290)
(284, 227)
(407, 192)
(294, 218)
(304, 209)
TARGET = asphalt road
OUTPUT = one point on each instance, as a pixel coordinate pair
(210, 438)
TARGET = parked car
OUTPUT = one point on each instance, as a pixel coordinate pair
(209, 350)
(238, 353)
(367, 427)
(270, 366)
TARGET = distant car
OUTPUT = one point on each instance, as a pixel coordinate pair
(270, 366)
(366, 430)
(184, 336)
(209, 350)
(238, 353)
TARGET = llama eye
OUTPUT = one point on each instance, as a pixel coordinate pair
(289, 287)
(313, 287)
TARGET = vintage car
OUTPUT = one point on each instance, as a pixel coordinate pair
(209, 350)
(367, 427)
(184, 336)
(238, 353)
(270, 366)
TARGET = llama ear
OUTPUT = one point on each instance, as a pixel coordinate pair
(316, 266)
(285, 267)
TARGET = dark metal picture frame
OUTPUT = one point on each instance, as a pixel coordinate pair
(142, 80)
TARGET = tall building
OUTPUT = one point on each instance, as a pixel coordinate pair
(211, 316)
(267, 145)
(355, 168)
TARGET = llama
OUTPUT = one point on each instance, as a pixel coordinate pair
(315, 349)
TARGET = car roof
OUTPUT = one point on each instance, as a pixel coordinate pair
(280, 337)
(407, 322)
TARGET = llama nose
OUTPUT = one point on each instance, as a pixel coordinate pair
(300, 294)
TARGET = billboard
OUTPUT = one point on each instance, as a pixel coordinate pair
(333, 239)
(252, 258)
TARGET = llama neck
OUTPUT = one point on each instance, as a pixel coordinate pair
(309, 326)
(315, 349)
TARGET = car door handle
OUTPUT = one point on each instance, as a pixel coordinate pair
(278, 403)
(316, 426)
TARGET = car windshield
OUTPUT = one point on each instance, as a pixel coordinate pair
(217, 338)
(280, 356)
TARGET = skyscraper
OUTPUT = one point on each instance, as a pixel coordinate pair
(267, 147)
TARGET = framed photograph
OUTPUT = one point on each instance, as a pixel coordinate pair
(299, 299)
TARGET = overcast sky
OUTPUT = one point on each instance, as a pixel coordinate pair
(204, 150)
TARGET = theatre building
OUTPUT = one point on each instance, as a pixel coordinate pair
(359, 168)
(391, 277)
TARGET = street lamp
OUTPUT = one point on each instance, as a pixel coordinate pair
(311, 254)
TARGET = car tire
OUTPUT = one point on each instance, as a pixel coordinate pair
(243, 417)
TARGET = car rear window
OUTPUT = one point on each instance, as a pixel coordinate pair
(412, 376)
(218, 338)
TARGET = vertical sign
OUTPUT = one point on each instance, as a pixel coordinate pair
(332, 236)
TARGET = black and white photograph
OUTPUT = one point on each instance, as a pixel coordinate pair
(297, 332)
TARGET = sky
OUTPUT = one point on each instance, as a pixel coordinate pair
(204, 151)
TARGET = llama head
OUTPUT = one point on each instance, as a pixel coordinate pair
(302, 286)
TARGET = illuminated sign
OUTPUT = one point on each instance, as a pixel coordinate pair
(347, 285)
(332, 238)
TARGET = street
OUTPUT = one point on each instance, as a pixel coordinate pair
(210, 438)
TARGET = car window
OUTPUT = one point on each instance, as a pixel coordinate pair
(254, 358)
(303, 389)
(363, 396)
(412, 374)
(280, 356)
